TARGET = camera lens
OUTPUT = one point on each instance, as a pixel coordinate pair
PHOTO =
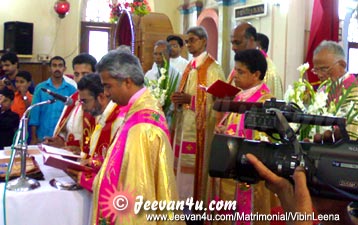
(7, 82)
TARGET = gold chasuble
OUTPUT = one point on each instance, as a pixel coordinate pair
(249, 198)
(138, 163)
(273, 80)
(194, 128)
(101, 138)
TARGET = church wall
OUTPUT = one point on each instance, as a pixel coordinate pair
(285, 24)
(52, 35)
(169, 8)
(55, 36)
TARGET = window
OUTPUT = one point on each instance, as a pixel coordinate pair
(352, 57)
(97, 34)
(97, 38)
(353, 43)
(348, 13)
(99, 10)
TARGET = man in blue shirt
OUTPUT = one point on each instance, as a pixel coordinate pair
(43, 119)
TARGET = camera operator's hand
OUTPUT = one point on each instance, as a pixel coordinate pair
(328, 136)
(293, 198)
(220, 129)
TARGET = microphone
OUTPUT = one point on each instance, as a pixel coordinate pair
(64, 99)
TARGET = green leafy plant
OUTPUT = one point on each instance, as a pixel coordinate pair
(164, 87)
(332, 100)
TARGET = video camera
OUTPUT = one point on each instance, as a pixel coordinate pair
(331, 168)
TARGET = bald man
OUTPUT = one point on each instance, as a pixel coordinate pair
(243, 37)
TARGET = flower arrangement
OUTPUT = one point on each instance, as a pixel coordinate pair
(328, 101)
(164, 87)
(138, 7)
(116, 9)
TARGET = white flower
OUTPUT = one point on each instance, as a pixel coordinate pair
(303, 68)
(289, 93)
(162, 99)
(163, 70)
(301, 89)
(161, 78)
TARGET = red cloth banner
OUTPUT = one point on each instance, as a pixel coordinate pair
(324, 26)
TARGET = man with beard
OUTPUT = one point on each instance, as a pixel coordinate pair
(140, 156)
(95, 102)
(43, 118)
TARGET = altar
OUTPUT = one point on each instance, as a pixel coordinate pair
(46, 205)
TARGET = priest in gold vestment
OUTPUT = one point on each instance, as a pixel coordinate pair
(195, 118)
(95, 102)
(250, 69)
(140, 157)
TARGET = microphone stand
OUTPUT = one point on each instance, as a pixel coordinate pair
(23, 183)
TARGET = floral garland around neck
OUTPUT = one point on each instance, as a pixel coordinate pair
(164, 87)
(323, 102)
(138, 7)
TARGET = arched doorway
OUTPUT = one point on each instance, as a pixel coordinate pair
(209, 19)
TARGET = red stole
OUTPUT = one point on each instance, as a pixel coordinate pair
(200, 114)
(337, 88)
(104, 139)
(67, 113)
(89, 123)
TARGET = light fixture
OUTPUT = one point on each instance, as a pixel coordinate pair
(62, 7)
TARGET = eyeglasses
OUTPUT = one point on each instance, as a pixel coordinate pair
(191, 40)
(324, 69)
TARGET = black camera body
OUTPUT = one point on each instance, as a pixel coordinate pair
(7, 82)
(332, 169)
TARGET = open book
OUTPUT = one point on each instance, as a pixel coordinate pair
(58, 151)
(221, 89)
(61, 159)
(61, 163)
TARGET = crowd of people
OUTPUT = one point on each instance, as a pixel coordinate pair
(121, 131)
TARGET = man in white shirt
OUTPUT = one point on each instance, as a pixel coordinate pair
(161, 51)
(70, 80)
(176, 61)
